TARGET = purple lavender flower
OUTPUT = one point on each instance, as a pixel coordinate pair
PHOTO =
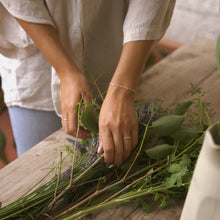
(95, 142)
(148, 111)
(92, 158)
(66, 172)
(71, 141)
(87, 145)
(65, 175)
(79, 147)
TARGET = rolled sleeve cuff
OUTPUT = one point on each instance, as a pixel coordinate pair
(33, 11)
(154, 33)
(147, 19)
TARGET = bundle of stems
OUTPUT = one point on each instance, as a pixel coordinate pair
(161, 165)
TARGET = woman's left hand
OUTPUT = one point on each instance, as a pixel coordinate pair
(118, 127)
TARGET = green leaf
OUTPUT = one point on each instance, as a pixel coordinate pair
(179, 172)
(160, 151)
(185, 161)
(182, 107)
(174, 168)
(170, 181)
(146, 207)
(167, 125)
(171, 156)
(217, 52)
(176, 178)
(163, 203)
(185, 133)
(90, 118)
(156, 197)
(164, 200)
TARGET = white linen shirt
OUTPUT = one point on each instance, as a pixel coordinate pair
(91, 31)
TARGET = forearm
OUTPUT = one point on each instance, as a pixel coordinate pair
(73, 84)
(47, 40)
(131, 63)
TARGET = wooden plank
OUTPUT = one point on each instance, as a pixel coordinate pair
(130, 211)
(23, 173)
(194, 62)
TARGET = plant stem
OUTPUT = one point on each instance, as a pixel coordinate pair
(98, 192)
(58, 179)
(145, 168)
(139, 150)
(70, 186)
(134, 182)
(124, 198)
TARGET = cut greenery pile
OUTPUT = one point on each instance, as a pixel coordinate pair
(161, 165)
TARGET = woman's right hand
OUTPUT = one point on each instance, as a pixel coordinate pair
(74, 86)
(74, 89)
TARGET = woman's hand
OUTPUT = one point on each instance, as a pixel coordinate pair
(118, 127)
(74, 89)
(74, 86)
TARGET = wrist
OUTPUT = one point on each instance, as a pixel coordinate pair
(121, 92)
(68, 71)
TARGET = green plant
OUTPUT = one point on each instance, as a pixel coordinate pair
(161, 165)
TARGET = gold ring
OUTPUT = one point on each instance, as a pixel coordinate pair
(126, 138)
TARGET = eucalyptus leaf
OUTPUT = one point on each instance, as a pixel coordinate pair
(185, 133)
(160, 151)
(217, 52)
(182, 107)
(166, 125)
(90, 118)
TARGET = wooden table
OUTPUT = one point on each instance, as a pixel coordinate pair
(192, 63)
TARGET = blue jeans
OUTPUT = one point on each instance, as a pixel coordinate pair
(31, 126)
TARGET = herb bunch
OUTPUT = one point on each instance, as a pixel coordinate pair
(161, 165)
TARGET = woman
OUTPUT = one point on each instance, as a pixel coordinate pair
(112, 38)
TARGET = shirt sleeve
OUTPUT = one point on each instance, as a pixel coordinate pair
(29, 10)
(147, 19)
(14, 41)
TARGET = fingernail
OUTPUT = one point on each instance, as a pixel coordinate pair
(100, 148)
(110, 166)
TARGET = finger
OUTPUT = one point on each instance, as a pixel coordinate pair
(87, 97)
(108, 146)
(72, 122)
(64, 121)
(118, 151)
(73, 128)
(127, 144)
(86, 100)
(100, 148)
